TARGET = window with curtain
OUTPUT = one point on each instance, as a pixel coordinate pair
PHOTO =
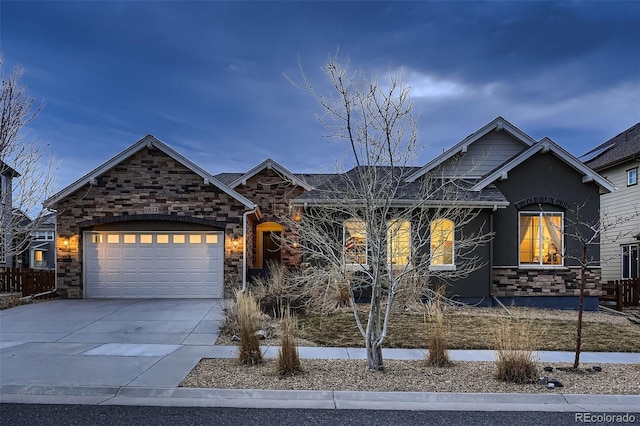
(442, 231)
(398, 242)
(541, 238)
(355, 242)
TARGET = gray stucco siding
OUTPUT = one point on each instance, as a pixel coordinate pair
(543, 183)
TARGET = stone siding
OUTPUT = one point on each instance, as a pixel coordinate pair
(149, 178)
(272, 192)
(514, 282)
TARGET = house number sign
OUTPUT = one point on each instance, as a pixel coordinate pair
(151, 210)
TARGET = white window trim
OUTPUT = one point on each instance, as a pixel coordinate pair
(541, 265)
(628, 247)
(633, 171)
(447, 266)
(391, 223)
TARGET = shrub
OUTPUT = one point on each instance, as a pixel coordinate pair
(281, 288)
(249, 314)
(288, 357)
(515, 342)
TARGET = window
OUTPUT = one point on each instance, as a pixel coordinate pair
(398, 242)
(43, 235)
(211, 239)
(541, 238)
(630, 261)
(632, 176)
(442, 231)
(355, 242)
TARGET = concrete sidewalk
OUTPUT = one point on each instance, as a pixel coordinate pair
(150, 389)
(137, 352)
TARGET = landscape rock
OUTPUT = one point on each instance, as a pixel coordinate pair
(235, 338)
(548, 368)
(597, 368)
(543, 380)
(551, 385)
(556, 383)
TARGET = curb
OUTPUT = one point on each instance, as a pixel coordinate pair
(340, 400)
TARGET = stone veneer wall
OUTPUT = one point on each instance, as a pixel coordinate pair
(149, 178)
(514, 282)
(272, 192)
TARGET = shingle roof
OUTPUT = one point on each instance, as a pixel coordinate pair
(336, 186)
(616, 150)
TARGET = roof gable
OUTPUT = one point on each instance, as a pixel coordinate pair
(545, 145)
(272, 165)
(499, 124)
(148, 141)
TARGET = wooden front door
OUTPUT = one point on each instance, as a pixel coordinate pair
(271, 247)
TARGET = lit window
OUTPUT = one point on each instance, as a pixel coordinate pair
(632, 176)
(355, 242)
(541, 238)
(442, 242)
(398, 242)
(162, 239)
(129, 239)
(38, 255)
(179, 239)
(96, 238)
(195, 239)
(211, 239)
(113, 239)
(146, 239)
(630, 261)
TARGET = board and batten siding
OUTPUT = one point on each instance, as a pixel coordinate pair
(622, 202)
(484, 155)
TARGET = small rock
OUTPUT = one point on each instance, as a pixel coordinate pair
(261, 334)
(556, 383)
(548, 368)
(235, 338)
(551, 385)
(589, 370)
(597, 368)
(543, 380)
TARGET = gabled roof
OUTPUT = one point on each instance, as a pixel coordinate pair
(498, 124)
(545, 145)
(619, 149)
(272, 165)
(147, 141)
(7, 170)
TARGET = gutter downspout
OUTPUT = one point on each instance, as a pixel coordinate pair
(244, 244)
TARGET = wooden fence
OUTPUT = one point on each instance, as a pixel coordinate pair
(26, 281)
(622, 293)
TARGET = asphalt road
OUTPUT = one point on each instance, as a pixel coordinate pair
(71, 415)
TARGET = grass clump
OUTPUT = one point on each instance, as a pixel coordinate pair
(438, 353)
(288, 356)
(249, 316)
(515, 342)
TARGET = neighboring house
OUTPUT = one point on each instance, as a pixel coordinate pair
(6, 212)
(42, 244)
(150, 223)
(618, 159)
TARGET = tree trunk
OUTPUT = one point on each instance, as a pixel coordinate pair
(576, 361)
(374, 349)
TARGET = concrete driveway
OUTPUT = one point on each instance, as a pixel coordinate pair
(106, 343)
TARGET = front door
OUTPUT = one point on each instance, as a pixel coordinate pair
(271, 247)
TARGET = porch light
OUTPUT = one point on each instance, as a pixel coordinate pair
(65, 243)
(297, 214)
(235, 243)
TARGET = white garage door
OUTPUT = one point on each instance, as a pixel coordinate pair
(153, 264)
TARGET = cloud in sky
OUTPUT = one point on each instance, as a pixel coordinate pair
(209, 77)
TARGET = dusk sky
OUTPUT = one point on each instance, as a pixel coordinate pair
(208, 78)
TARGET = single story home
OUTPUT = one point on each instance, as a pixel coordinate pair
(151, 223)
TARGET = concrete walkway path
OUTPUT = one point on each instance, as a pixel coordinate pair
(136, 352)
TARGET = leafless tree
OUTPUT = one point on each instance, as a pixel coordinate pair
(588, 235)
(25, 160)
(369, 224)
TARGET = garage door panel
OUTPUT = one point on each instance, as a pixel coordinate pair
(153, 264)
